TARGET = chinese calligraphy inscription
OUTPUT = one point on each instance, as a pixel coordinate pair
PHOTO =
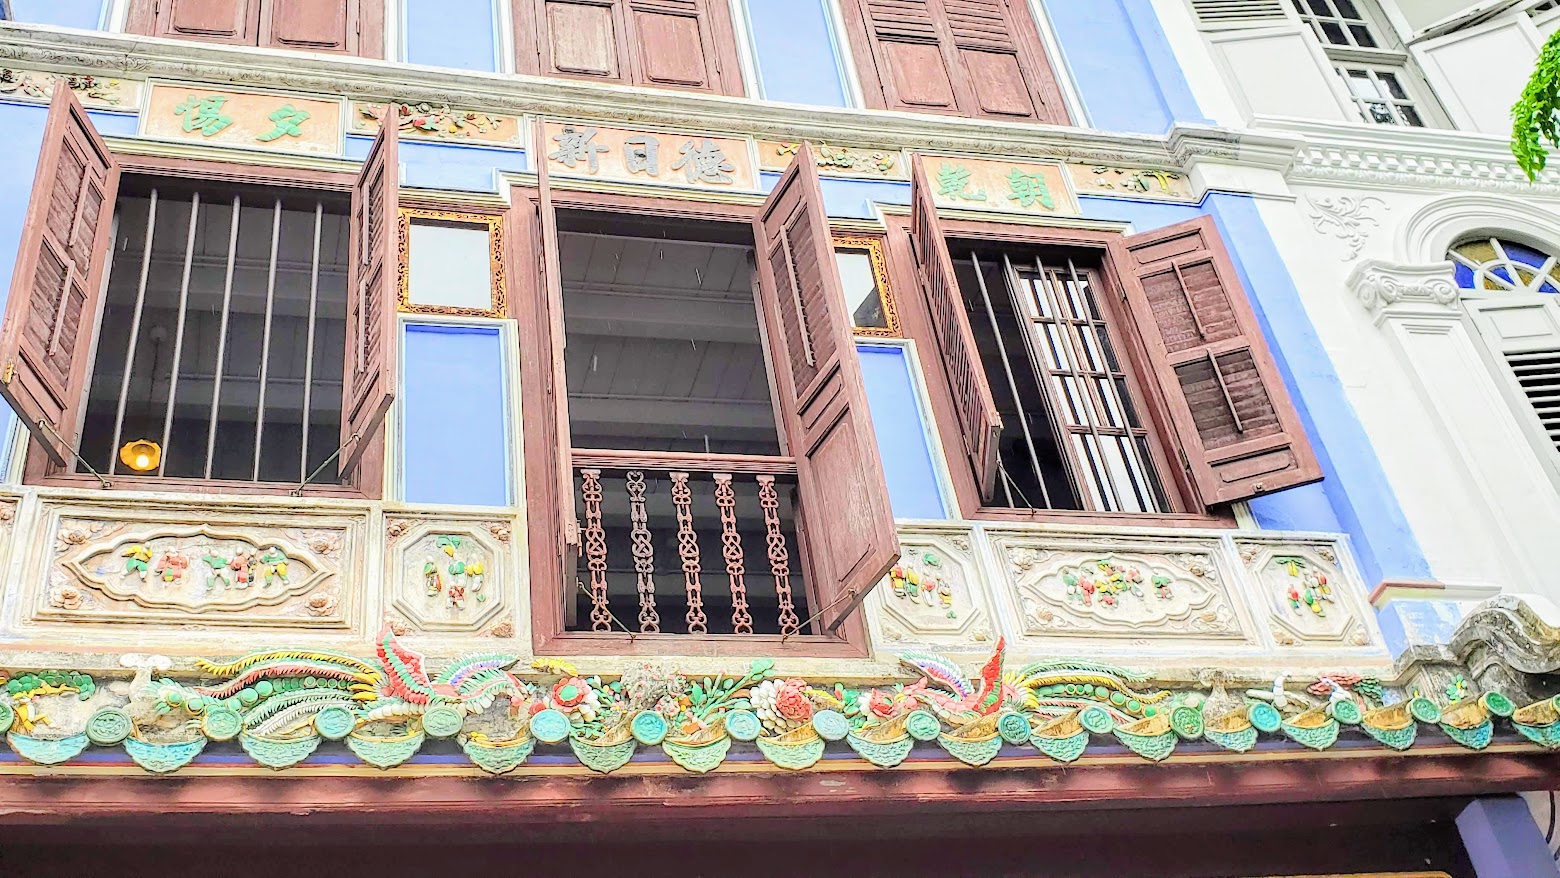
(247, 119)
(1000, 186)
(603, 153)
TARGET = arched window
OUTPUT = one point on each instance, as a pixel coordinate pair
(1498, 265)
(1515, 303)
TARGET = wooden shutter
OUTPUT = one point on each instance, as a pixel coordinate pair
(843, 496)
(912, 72)
(676, 45)
(979, 58)
(309, 25)
(580, 37)
(58, 281)
(212, 21)
(1239, 434)
(980, 425)
(557, 386)
(369, 374)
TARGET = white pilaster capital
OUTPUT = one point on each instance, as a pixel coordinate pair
(1388, 289)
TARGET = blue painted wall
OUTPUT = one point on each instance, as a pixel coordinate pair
(795, 52)
(453, 416)
(447, 166)
(1122, 65)
(85, 14)
(451, 33)
(899, 421)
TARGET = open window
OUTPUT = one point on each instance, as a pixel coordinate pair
(212, 315)
(710, 464)
(1096, 373)
(976, 58)
(344, 27)
(683, 44)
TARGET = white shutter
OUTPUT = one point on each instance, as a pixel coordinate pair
(1239, 12)
(1523, 334)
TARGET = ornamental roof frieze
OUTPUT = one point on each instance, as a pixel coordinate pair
(135, 60)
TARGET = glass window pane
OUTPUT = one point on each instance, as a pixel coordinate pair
(1347, 9)
(1362, 36)
(1360, 84)
(1333, 33)
(450, 266)
(1394, 87)
(1380, 114)
(862, 296)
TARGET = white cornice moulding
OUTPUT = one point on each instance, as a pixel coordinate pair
(1395, 157)
(1389, 289)
(136, 57)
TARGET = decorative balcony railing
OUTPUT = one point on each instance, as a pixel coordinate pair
(686, 544)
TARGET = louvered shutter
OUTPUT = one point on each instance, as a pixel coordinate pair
(912, 70)
(980, 58)
(980, 425)
(58, 281)
(842, 494)
(212, 21)
(369, 374)
(1239, 12)
(557, 383)
(1239, 434)
(341, 26)
(1523, 331)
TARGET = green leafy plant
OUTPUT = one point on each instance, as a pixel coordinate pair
(1534, 123)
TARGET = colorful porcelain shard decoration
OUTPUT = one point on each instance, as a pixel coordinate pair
(288, 707)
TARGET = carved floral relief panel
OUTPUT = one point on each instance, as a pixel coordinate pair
(254, 568)
(933, 596)
(1310, 596)
(1065, 585)
(449, 575)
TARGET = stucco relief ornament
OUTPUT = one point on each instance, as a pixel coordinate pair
(1347, 218)
(1379, 284)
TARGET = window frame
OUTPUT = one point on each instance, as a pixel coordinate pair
(143, 18)
(534, 315)
(876, 247)
(1389, 55)
(498, 289)
(1107, 250)
(367, 479)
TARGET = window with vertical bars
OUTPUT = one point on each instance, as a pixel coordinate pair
(223, 332)
(1072, 435)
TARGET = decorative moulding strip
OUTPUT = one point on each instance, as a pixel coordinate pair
(130, 56)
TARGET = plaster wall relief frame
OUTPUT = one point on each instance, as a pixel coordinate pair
(201, 570)
(937, 597)
(1310, 590)
(456, 574)
(241, 119)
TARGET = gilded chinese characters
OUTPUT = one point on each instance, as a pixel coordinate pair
(688, 160)
(247, 119)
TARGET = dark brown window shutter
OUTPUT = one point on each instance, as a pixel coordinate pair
(369, 374)
(687, 44)
(980, 424)
(308, 25)
(557, 379)
(212, 21)
(55, 291)
(842, 494)
(978, 58)
(1239, 434)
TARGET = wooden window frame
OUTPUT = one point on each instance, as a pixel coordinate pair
(497, 258)
(876, 248)
(367, 478)
(144, 18)
(534, 318)
(531, 39)
(1106, 250)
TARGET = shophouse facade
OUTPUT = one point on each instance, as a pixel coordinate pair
(979, 419)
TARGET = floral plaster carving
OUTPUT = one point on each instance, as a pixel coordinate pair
(1110, 586)
(1347, 218)
(447, 575)
(930, 596)
(250, 569)
(1309, 595)
(94, 91)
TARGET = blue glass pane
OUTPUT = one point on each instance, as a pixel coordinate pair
(1548, 287)
(1524, 255)
(1464, 277)
(1503, 273)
